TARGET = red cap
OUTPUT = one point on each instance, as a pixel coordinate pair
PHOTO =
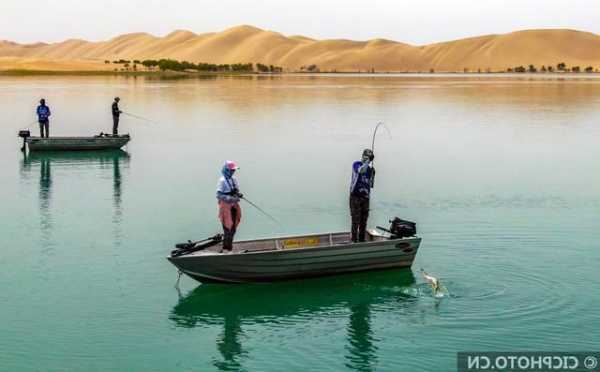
(231, 165)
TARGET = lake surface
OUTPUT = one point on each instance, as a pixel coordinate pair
(501, 174)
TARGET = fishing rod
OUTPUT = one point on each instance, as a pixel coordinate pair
(262, 211)
(29, 125)
(139, 117)
(380, 124)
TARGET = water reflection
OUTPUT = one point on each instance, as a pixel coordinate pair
(117, 191)
(45, 195)
(229, 344)
(60, 161)
(293, 305)
(256, 93)
(363, 351)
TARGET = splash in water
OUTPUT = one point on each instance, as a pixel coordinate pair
(438, 288)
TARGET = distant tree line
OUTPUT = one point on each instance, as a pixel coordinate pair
(310, 68)
(175, 65)
(270, 68)
(560, 67)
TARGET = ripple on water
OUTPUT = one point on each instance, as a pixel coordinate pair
(508, 294)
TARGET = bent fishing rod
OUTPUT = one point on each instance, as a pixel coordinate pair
(261, 210)
(380, 124)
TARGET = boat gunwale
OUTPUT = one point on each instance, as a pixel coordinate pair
(103, 138)
(315, 248)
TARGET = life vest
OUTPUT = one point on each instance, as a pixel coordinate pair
(361, 182)
(43, 113)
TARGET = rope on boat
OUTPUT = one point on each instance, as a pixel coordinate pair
(179, 273)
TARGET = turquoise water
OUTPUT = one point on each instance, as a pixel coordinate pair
(501, 175)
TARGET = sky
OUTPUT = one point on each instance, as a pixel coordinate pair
(416, 22)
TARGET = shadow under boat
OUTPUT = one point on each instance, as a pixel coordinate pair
(297, 302)
(208, 303)
(83, 157)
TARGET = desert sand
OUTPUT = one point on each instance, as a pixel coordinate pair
(244, 44)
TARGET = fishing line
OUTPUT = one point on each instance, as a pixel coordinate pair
(29, 125)
(139, 117)
(262, 211)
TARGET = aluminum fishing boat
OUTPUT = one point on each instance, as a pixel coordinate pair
(293, 257)
(94, 143)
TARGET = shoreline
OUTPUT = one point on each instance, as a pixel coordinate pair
(179, 74)
(24, 72)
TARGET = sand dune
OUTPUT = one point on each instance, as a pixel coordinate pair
(251, 44)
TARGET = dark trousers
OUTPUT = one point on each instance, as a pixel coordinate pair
(115, 125)
(44, 128)
(229, 233)
(359, 210)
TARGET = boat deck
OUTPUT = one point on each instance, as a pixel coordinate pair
(288, 243)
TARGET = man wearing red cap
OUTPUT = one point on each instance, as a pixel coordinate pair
(228, 196)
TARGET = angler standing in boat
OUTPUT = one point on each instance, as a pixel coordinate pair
(116, 113)
(228, 196)
(43, 113)
(363, 178)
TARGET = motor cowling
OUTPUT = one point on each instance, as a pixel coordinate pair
(400, 228)
(24, 134)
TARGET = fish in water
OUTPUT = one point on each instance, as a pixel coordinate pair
(433, 281)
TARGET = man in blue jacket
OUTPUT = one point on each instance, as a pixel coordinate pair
(363, 179)
(43, 113)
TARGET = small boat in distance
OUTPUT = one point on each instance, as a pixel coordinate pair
(94, 143)
(294, 257)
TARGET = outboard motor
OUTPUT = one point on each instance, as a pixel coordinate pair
(400, 228)
(190, 246)
(24, 134)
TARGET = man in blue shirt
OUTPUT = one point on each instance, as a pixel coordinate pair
(363, 179)
(43, 113)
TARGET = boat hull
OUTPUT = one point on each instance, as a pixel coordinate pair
(287, 264)
(76, 143)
